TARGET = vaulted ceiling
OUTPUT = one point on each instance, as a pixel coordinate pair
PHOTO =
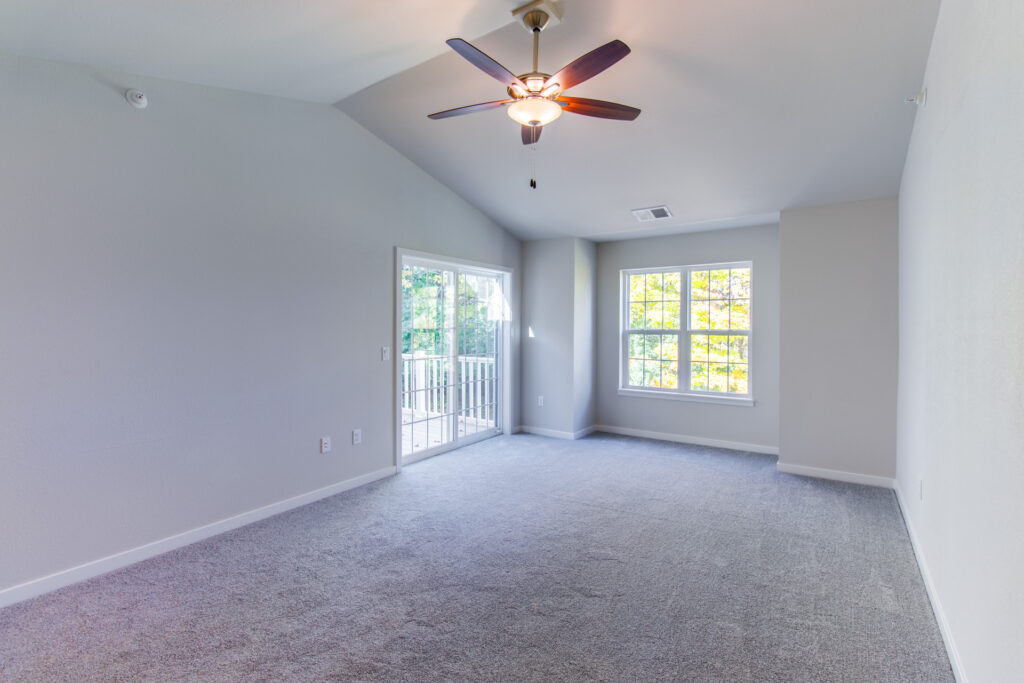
(749, 108)
(314, 50)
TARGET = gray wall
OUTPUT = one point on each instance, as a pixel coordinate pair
(838, 338)
(190, 296)
(547, 356)
(584, 357)
(961, 379)
(756, 426)
(558, 361)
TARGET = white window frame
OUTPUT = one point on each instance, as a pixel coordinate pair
(683, 391)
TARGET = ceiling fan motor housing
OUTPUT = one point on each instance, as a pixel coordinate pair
(535, 81)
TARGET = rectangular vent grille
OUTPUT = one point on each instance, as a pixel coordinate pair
(654, 213)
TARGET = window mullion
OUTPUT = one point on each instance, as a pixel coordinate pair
(684, 295)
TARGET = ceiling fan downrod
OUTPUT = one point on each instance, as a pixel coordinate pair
(536, 20)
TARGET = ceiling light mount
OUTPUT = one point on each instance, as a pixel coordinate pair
(536, 20)
(136, 98)
(539, 14)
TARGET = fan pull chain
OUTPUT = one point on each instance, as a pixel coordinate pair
(533, 166)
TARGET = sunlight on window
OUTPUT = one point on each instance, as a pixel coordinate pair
(653, 338)
(719, 302)
(714, 304)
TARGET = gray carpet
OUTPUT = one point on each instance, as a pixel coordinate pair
(516, 559)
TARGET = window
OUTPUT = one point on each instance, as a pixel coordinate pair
(686, 332)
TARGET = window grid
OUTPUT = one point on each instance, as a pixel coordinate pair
(709, 354)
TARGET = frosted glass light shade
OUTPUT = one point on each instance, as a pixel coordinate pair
(534, 111)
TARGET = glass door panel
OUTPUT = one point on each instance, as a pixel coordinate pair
(479, 310)
(451, 350)
(428, 374)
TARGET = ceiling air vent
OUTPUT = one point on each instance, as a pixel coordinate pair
(653, 213)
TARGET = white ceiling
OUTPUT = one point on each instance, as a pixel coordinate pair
(748, 107)
(315, 50)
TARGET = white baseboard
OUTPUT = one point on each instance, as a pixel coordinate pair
(66, 577)
(542, 431)
(929, 586)
(683, 438)
(555, 433)
(837, 475)
(586, 431)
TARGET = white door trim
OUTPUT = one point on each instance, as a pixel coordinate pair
(402, 255)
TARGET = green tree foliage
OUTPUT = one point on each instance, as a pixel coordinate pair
(423, 310)
(719, 302)
(430, 300)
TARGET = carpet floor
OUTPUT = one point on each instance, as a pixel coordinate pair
(520, 558)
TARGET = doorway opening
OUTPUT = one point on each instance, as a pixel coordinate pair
(452, 361)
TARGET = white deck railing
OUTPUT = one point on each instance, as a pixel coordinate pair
(427, 381)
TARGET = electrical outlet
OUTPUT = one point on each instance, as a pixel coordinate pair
(540, 401)
(357, 437)
(325, 444)
(385, 353)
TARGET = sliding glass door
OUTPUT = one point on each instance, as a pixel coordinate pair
(452, 339)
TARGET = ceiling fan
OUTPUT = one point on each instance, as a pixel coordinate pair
(535, 98)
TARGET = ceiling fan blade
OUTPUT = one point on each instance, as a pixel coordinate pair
(600, 108)
(531, 134)
(468, 109)
(484, 63)
(590, 64)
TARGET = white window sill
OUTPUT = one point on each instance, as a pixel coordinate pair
(692, 397)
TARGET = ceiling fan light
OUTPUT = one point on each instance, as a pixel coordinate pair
(534, 111)
(551, 90)
(518, 90)
(534, 83)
